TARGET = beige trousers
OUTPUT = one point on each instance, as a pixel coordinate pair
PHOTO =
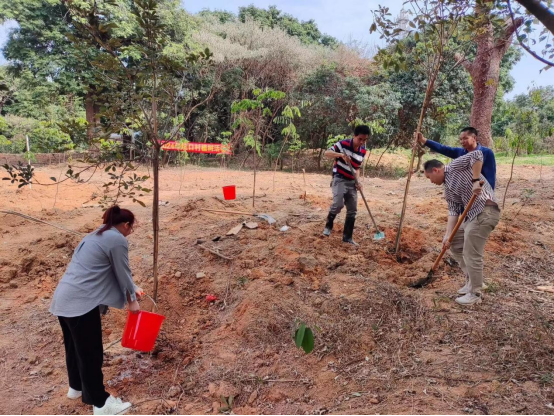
(469, 243)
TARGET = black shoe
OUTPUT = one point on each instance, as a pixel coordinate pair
(329, 224)
(348, 231)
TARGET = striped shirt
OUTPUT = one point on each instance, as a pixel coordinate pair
(341, 169)
(458, 186)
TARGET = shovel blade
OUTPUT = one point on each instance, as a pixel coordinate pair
(266, 217)
(379, 236)
(423, 282)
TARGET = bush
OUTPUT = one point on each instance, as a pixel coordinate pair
(12, 133)
(3, 125)
(48, 138)
(76, 128)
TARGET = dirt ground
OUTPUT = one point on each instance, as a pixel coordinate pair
(380, 346)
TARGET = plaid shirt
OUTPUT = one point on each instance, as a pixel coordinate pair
(458, 186)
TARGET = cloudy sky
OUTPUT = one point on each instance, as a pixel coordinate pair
(350, 19)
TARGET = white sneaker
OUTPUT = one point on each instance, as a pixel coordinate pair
(112, 406)
(74, 394)
(467, 288)
(469, 299)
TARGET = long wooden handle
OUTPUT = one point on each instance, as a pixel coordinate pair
(369, 212)
(226, 212)
(458, 225)
(361, 193)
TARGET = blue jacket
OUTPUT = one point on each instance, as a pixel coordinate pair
(489, 162)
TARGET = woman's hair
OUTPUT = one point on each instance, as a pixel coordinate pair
(115, 216)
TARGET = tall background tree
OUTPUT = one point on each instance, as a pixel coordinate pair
(492, 32)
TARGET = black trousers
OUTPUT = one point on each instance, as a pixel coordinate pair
(84, 356)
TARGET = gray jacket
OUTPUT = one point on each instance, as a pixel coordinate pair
(98, 275)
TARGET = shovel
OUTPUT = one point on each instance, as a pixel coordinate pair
(265, 217)
(429, 278)
(379, 235)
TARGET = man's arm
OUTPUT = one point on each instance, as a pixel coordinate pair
(476, 170)
(451, 223)
(331, 154)
(335, 152)
(451, 152)
(490, 168)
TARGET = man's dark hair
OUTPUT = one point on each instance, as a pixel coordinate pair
(433, 163)
(361, 130)
(471, 130)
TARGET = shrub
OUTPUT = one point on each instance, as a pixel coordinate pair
(48, 138)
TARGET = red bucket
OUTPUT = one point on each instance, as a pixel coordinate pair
(229, 192)
(141, 330)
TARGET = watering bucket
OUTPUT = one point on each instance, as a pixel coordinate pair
(141, 330)
(229, 192)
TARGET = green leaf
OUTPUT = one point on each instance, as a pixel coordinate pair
(373, 28)
(299, 337)
(308, 341)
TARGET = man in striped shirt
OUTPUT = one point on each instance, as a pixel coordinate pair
(461, 180)
(344, 185)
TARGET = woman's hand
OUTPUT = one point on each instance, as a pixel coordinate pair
(139, 293)
(134, 306)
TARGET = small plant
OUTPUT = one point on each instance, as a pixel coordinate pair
(20, 173)
(226, 404)
(546, 379)
(492, 287)
(242, 281)
(304, 338)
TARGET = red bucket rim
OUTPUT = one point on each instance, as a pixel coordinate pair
(148, 313)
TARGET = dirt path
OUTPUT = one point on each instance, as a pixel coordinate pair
(380, 346)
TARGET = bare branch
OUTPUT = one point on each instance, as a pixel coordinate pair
(540, 11)
(465, 62)
(516, 26)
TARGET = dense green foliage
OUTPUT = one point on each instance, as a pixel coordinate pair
(62, 91)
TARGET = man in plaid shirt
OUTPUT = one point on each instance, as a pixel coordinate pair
(461, 180)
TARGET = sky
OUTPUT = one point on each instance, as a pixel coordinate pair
(346, 20)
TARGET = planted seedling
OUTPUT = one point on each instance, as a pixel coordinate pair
(304, 338)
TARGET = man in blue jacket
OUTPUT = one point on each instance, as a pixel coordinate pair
(468, 140)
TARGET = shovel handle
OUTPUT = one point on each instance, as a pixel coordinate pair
(227, 212)
(456, 228)
(361, 193)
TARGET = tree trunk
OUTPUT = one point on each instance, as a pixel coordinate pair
(156, 199)
(485, 71)
(511, 175)
(156, 214)
(91, 120)
(319, 158)
(415, 148)
(484, 76)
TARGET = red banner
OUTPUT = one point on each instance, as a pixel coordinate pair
(190, 147)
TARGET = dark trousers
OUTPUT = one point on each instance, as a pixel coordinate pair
(344, 192)
(84, 356)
